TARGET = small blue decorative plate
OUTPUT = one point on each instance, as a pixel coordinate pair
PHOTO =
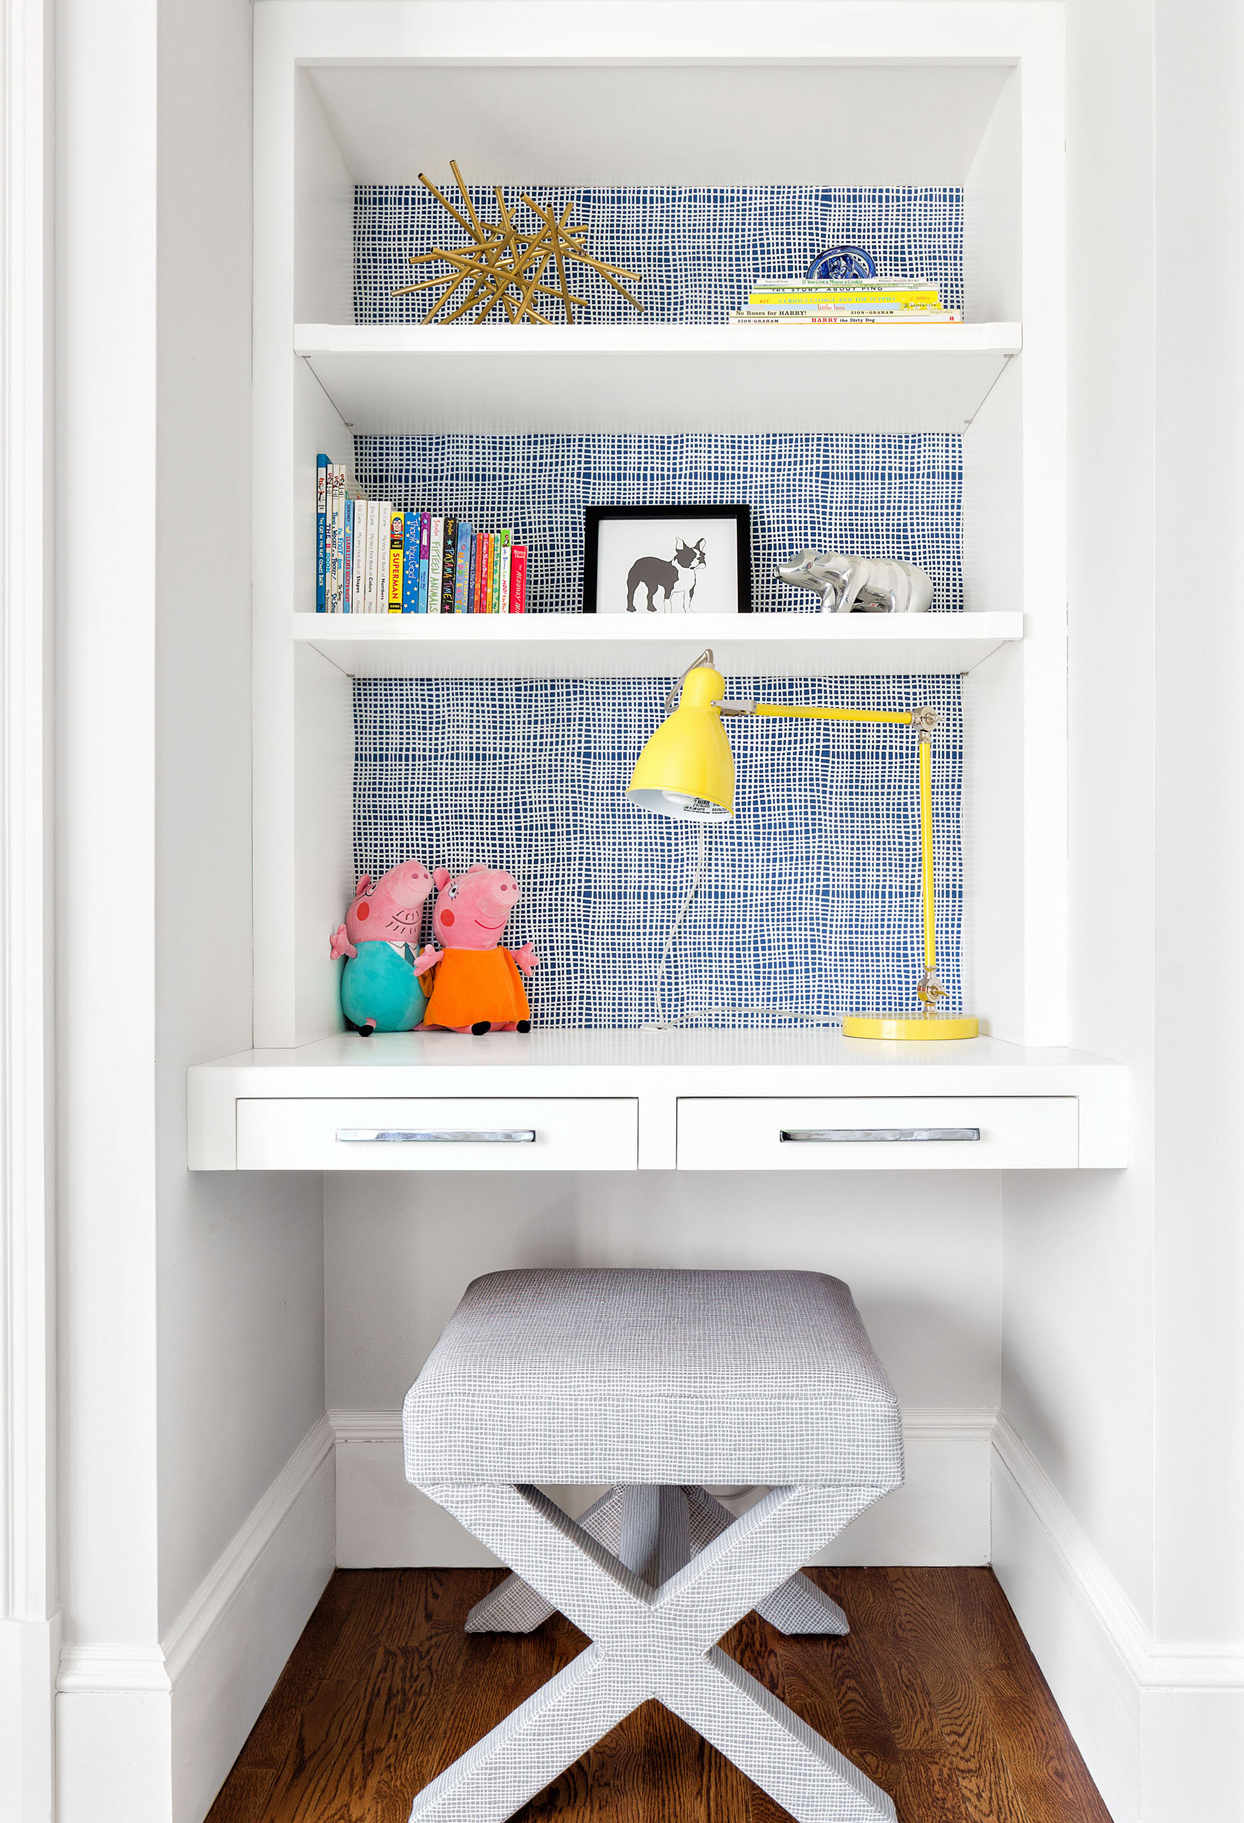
(842, 263)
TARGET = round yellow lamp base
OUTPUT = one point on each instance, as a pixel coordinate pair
(923, 1028)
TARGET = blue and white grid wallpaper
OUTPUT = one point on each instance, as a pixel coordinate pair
(808, 905)
(808, 902)
(872, 495)
(699, 250)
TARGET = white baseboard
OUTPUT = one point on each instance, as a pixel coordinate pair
(940, 1515)
(114, 1742)
(225, 1650)
(148, 1733)
(1161, 1727)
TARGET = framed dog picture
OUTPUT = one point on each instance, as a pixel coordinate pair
(642, 560)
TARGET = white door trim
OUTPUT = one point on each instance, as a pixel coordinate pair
(28, 1622)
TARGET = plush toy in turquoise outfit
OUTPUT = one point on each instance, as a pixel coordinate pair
(380, 991)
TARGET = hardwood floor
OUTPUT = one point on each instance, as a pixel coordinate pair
(934, 1693)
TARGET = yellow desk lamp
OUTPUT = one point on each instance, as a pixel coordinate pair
(686, 771)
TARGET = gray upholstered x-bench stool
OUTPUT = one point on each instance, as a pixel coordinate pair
(654, 1383)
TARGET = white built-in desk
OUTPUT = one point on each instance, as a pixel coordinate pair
(655, 1100)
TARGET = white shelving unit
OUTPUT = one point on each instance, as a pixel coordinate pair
(664, 377)
(608, 645)
(967, 93)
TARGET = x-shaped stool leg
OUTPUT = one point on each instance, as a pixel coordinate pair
(653, 1642)
(797, 1607)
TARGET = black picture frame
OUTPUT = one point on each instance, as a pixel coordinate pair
(594, 516)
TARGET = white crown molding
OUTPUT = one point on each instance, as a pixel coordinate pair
(1152, 1665)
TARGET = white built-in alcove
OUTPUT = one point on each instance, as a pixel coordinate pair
(961, 95)
(964, 96)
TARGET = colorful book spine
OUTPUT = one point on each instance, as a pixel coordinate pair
(846, 300)
(397, 552)
(410, 563)
(504, 540)
(798, 318)
(472, 547)
(462, 567)
(329, 484)
(368, 604)
(343, 508)
(321, 533)
(477, 580)
(356, 553)
(338, 538)
(384, 519)
(435, 561)
(849, 287)
(490, 572)
(449, 565)
(518, 579)
(354, 520)
(347, 584)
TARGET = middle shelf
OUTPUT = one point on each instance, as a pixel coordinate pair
(410, 379)
(615, 645)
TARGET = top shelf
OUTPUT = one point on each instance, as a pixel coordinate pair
(417, 380)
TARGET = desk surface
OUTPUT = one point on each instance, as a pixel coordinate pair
(657, 1067)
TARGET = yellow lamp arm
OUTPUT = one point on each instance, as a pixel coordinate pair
(904, 717)
(924, 720)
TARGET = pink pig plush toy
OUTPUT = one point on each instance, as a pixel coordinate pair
(478, 986)
(380, 988)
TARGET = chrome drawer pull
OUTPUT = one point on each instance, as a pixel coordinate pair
(406, 1136)
(835, 1136)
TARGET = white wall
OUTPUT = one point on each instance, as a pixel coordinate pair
(1076, 1331)
(240, 1263)
(1121, 1333)
(240, 1343)
(1199, 56)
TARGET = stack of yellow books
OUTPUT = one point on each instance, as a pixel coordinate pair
(875, 300)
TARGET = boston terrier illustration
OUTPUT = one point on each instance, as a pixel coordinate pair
(660, 579)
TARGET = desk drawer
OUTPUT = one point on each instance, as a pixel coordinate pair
(858, 1133)
(427, 1133)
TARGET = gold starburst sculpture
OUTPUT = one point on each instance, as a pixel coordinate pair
(503, 263)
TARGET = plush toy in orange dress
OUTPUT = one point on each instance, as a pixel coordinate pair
(477, 986)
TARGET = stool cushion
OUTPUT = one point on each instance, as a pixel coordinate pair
(604, 1376)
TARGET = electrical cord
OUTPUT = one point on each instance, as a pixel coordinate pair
(661, 1024)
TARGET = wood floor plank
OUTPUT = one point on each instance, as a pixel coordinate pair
(934, 1693)
(1044, 1764)
(953, 1673)
(916, 1773)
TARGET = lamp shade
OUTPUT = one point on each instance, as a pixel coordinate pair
(686, 770)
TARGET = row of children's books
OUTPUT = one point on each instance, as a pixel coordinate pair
(374, 558)
(876, 300)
